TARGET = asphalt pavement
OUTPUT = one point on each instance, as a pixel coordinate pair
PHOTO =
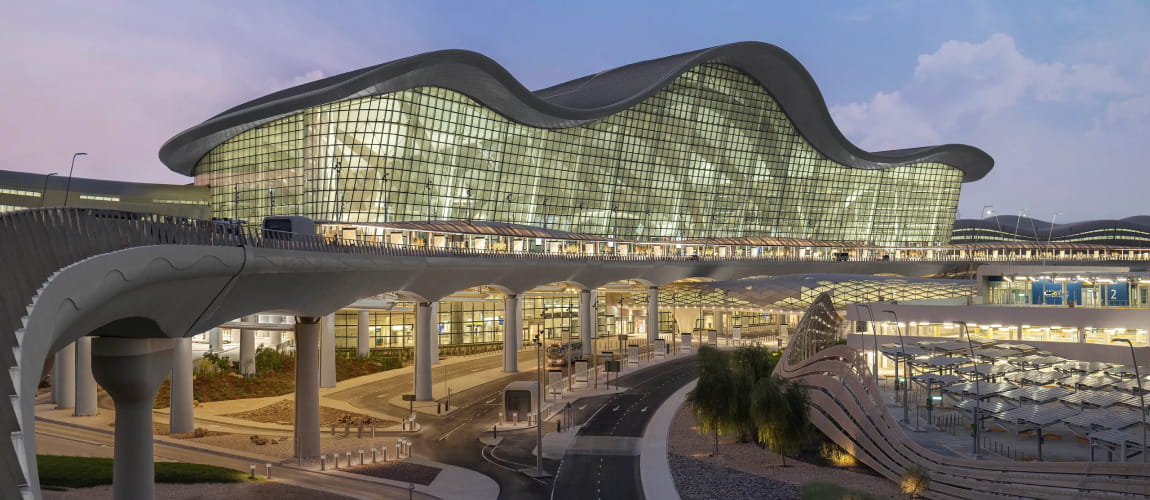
(603, 460)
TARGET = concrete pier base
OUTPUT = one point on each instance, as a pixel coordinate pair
(131, 370)
(182, 417)
(66, 371)
(307, 333)
(85, 382)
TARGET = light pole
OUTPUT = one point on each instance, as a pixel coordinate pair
(1050, 237)
(44, 191)
(68, 188)
(1141, 393)
(989, 210)
(539, 403)
(977, 387)
(874, 334)
(1018, 221)
(905, 392)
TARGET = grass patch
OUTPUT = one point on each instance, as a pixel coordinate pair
(83, 472)
(816, 490)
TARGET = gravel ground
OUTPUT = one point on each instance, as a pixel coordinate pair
(685, 441)
(209, 491)
(698, 480)
(283, 412)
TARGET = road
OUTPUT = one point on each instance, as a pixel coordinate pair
(80, 438)
(603, 461)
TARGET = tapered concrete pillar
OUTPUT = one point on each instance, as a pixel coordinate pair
(131, 370)
(327, 351)
(215, 343)
(247, 352)
(275, 338)
(435, 333)
(66, 363)
(518, 322)
(587, 320)
(55, 387)
(510, 330)
(307, 333)
(652, 313)
(181, 418)
(85, 382)
(423, 336)
(363, 334)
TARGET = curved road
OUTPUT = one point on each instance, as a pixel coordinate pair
(603, 460)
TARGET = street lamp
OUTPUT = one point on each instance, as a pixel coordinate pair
(874, 335)
(539, 403)
(44, 191)
(977, 386)
(1050, 237)
(989, 210)
(68, 188)
(905, 392)
(1141, 393)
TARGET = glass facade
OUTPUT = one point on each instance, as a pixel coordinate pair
(712, 154)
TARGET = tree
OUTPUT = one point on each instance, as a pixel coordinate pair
(915, 480)
(779, 409)
(710, 399)
(748, 366)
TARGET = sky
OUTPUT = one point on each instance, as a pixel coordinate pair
(1057, 92)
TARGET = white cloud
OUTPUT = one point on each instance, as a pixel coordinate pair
(1060, 131)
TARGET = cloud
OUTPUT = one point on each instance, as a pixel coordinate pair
(1057, 129)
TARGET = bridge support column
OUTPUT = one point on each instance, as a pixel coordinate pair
(248, 347)
(66, 372)
(327, 351)
(85, 382)
(214, 343)
(131, 370)
(307, 333)
(363, 334)
(435, 333)
(181, 418)
(510, 334)
(652, 313)
(588, 323)
(423, 336)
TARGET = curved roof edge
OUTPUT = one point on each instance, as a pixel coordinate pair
(1030, 228)
(577, 102)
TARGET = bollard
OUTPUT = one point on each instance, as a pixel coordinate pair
(349, 458)
(360, 457)
(373, 430)
(359, 432)
(252, 471)
(438, 408)
(268, 471)
(335, 461)
(403, 424)
(373, 458)
(384, 449)
(323, 462)
(494, 431)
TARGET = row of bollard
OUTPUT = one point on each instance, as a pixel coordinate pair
(402, 449)
(267, 471)
(358, 432)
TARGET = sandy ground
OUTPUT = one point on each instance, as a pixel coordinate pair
(685, 440)
(208, 491)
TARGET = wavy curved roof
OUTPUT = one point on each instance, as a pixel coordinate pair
(1119, 231)
(576, 102)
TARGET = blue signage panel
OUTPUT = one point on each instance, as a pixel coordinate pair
(1116, 294)
(1044, 292)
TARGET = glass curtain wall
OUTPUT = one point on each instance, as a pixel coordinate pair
(712, 154)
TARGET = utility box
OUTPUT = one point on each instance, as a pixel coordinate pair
(519, 400)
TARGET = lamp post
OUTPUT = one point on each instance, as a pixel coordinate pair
(989, 210)
(68, 188)
(1141, 392)
(874, 335)
(1050, 237)
(977, 387)
(1018, 222)
(44, 191)
(539, 403)
(902, 347)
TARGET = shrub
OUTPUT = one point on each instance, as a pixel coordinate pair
(218, 362)
(270, 359)
(836, 455)
(915, 480)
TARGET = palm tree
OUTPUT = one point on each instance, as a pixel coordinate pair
(779, 408)
(712, 396)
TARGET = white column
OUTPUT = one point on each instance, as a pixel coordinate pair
(181, 417)
(247, 347)
(587, 319)
(435, 333)
(423, 335)
(131, 370)
(85, 382)
(652, 313)
(307, 333)
(363, 334)
(66, 392)
(327, 351)
(214, 340)
(510, 333)
(518, 322)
